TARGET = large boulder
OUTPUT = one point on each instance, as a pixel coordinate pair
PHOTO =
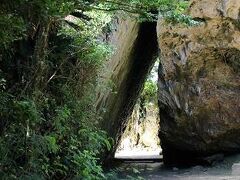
(199, 83)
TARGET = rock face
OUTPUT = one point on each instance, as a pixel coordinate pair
(141, 132)
(135, 53)
(199, 83)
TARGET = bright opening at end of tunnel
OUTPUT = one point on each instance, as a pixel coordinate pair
(140, 139)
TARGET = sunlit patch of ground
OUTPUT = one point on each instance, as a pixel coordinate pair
(128, 150)
(139, 153)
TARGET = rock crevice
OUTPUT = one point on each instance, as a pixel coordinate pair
(136, 52)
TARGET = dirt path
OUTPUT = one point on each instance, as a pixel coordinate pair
(154, 171)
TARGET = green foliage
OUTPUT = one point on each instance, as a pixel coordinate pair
(53, 132)
(150, 91)
(64, 145)
(175, 18)
(18, 16)
(177, 15)
(12, 29)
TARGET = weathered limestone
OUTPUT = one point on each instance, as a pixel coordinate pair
(214, 9)
(199, 83)
(136, 50)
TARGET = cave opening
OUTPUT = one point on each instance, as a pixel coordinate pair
(140, 140)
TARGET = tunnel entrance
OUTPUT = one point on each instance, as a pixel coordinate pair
(140, 140)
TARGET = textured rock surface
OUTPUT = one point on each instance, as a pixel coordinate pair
(199, 83)
(136, 51)
(141, 132)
